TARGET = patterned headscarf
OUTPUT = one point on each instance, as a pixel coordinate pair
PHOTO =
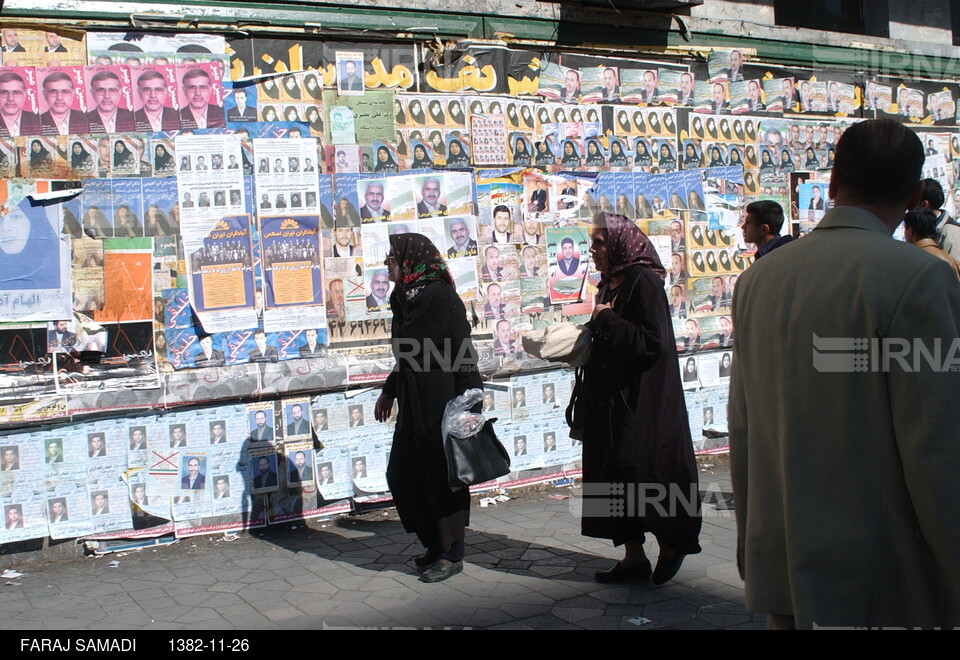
(627, 245)
(419, 261)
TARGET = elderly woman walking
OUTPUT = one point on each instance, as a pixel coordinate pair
(429, 319)
(631, 412)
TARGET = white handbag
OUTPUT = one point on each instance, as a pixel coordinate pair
(561, 342)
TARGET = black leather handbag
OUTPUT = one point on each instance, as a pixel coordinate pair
(477, 459)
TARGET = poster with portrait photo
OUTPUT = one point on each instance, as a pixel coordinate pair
(154, 48)
(942, 105)
(333, 470)
(200, 95)
(350, 73)
(910, 102)
(343, 158)
(674, 87)
(41, 158)
(109, 506)
(23, 516)
(9, 155)
(66, 509)
(161, 215)
(124, 157)
(156, 105)
(23, 97)
(725, 66)
(296, 418)
(299, 463)
(812, 203)
(878, 96)
(43, 47)
(568, 259)
(386, 160)
(63, 102)
(110, 99)
(552, 83)
(264, 474)
(34, 262)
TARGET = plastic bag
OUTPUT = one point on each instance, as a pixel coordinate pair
(458, 421)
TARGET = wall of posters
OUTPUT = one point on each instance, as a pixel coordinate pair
(189, 220)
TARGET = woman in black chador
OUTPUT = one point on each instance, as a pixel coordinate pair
(427, 312)
(629, 408)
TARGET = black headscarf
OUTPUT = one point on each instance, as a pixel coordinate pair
(123, 157)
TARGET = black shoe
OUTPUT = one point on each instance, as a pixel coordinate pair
(621, 573)
(427, 559)
(666, 568)
(440, 571)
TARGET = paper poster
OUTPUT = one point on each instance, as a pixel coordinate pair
(25, 47)
(34, 263)
(568, 259)
(216, 232)
(488, 139)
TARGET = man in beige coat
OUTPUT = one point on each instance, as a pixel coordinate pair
(844, 463)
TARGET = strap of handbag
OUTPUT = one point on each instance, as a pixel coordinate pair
(574, 395)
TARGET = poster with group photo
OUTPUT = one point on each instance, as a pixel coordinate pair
(290, 257)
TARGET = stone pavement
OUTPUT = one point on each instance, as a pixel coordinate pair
(527, 568)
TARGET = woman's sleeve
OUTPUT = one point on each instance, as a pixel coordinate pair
(640, 333)
(390, 385)
(466, 374)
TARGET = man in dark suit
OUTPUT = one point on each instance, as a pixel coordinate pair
(430, 206)
(208, 356)
(199, 112)
(242, 112)
(494, 308)
(178, 439)
(261, 432)
(379, 298)
(58, 91)
(16, 120)
(372, 208)
(138, 440)
(267, 477)
(568, 264)
(539, 197)
(299, 425)
(217, 435)
(300, 472)
(108, 116)
(351, 81)
(95, 446)
(719, 103)
(261, 352)
(735, 70)
(11, 459)
(11, 41)
(463, 245)
(312, 347)
(686, 89)
(491, 271)
(194, 479)
(154, 115)
(60, 337)
(54, 45)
